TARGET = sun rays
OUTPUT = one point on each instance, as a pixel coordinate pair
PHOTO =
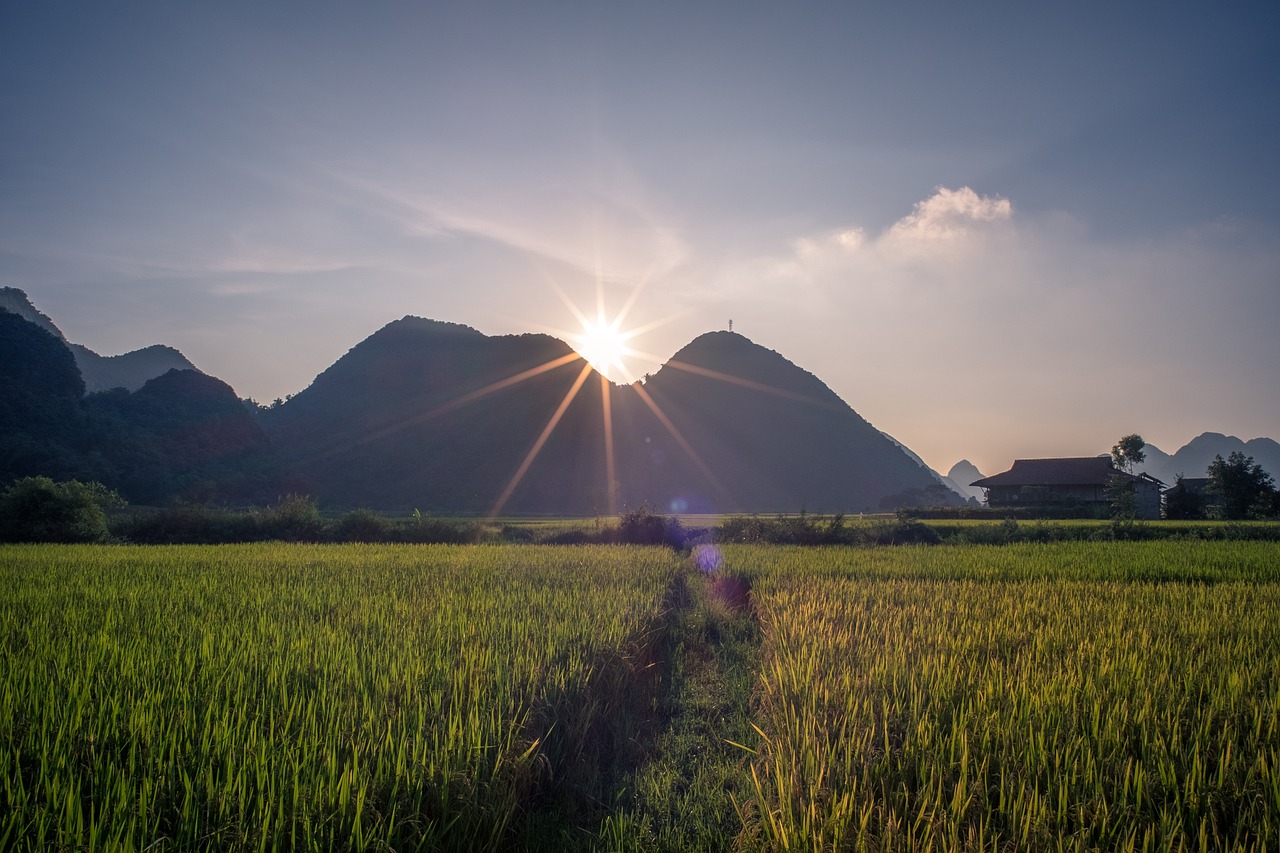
(601, 344)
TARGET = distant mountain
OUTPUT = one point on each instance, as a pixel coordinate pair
(131, 370)
(1194, 457)
(181, 434)
(961, 475)
(945, 481)
(441, 417)
(101, 372)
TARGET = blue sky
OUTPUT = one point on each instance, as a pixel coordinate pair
(997, 231)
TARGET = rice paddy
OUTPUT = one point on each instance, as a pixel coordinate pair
(1071, 696)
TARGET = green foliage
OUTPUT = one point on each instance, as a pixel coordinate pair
(1241, 488)
(294, 697)
(37, 509)
(644, 527)
(293, 518)
(361, 525)
(1129, 452)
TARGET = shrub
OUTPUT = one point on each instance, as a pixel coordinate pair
(194, 524)
(644, 527)
(37, 509)
(294, 518)
(361, 525)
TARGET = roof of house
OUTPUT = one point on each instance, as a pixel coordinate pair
(1073, 471)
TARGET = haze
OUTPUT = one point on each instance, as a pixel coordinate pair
(995, 231)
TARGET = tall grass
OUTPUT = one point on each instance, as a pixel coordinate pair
(1074, 697)
(307, 697)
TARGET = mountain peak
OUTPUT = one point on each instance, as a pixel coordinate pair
(17, 302)
(411, 322)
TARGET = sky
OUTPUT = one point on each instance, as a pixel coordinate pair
(997, 230)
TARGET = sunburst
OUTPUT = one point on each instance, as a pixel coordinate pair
(602, 344)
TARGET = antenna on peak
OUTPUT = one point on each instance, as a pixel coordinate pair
(731, 325)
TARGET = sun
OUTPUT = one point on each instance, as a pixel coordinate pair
(603, 345)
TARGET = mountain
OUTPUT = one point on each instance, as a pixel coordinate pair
(772, 434)
(961, 475)
(1194, 457)
(131, 370)
(101, 372)
(945, 481)
(441, 417)
(181, 434)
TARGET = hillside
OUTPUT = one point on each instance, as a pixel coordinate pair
(440, 417)
(424, 414)
(130, 370)
(182, 434)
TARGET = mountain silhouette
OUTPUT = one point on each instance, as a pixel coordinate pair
(130, 370)
(1194, 457)
(443, 418)
(961, 475)
(181, 434)
(438, 416)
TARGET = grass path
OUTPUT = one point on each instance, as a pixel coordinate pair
(683, 796)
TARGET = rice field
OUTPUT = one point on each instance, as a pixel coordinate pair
(1078, 697)
(1074, 696)
(301, 697)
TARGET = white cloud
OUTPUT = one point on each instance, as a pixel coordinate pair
(950, 214)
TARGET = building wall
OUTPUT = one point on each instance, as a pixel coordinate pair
(1093, 496)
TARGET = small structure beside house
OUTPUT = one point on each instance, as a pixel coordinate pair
(1076, 482)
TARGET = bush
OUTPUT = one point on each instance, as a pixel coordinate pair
(37, 509)
(294, 518)
(643, 527)
(190, 524)
(361, 525)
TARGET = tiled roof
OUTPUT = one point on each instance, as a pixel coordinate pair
(1076, 471)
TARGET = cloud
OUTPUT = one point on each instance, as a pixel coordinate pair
(980, 316)
(949, 215)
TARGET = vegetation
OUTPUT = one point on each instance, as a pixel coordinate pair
(1025, 698)
(1074, 695)
(1127, 454)
(295, 697)
(1241, 488)
(36, 509)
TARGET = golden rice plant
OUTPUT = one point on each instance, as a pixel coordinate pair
(1076, 696)
(304, 697)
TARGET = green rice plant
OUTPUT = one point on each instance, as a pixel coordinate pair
(308, 697)
(1075, 696)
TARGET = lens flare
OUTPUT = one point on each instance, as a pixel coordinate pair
(603, 345)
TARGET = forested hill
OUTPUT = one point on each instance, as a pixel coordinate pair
(182, 433)
(437, 416)
(130, 370)
(443, 418)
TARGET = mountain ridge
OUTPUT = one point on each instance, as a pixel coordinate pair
(1194, 457)
(130, 370)
(517, 423)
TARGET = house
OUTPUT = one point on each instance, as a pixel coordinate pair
(1072, 482)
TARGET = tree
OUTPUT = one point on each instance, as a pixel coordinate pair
(1240, 486)
(37, 509)
(1127, 454)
